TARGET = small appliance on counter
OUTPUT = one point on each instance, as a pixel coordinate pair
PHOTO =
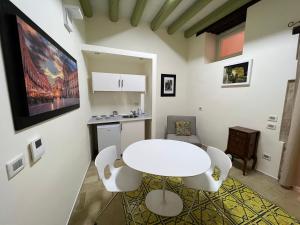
(102, 117)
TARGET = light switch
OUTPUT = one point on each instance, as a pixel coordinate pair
(14, 166)
(273, 118)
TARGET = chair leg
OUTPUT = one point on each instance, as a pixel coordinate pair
(105, 207)
(194, 199)
(245, 167)
(254, 162)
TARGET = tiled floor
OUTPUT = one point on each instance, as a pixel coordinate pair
(93, 197)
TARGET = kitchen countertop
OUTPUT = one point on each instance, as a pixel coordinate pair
(93, 120)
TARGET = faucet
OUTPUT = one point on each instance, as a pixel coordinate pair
(139, 111)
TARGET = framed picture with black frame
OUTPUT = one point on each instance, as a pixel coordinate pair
(42, 77)
(168, 85)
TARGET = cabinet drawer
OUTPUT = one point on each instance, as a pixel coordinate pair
(237, 143)
(238, 134)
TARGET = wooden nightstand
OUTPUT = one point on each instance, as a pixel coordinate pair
(242, 143)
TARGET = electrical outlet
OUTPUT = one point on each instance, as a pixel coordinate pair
(271, 126)
(273, 118)
(266, 157)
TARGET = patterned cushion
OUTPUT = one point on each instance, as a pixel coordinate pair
(183, 128)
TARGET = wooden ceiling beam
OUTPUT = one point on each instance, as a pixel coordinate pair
(86, 8)
(167, 8)
(137, 12)
(113, 6)
(187, 15)
(231, 20)
(224, 10)
(296, 30)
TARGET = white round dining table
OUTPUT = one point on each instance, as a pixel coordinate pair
(166, 158)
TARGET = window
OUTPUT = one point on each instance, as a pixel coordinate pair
(230, 43)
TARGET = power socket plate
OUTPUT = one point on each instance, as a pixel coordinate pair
(266, 157)
(271, 126)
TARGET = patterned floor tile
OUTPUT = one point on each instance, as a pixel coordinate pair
(234, 203)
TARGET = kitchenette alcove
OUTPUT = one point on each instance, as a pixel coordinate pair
(122, 96)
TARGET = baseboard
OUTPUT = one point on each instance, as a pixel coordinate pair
(69, 217)
(296, 188)
(276, 178)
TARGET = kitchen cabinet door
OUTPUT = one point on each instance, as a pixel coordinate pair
(131, 132)
(106, 82)
(133, 83)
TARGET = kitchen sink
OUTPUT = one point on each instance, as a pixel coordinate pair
(129, 116)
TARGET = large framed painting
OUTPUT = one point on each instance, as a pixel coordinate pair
(237, 74)
(42, 77)
(168, 85)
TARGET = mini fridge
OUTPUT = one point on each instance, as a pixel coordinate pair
(108, 135)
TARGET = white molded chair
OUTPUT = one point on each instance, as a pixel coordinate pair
(122, 179)
(205, 181)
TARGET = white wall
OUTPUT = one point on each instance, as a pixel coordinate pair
(272, 47)
(171, 51)
(45, 192)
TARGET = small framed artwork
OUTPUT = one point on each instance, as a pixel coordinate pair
(168, 85)
(237, 74)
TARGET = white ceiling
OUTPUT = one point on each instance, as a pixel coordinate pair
(153, 6)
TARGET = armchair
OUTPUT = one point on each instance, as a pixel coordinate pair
(171, 130)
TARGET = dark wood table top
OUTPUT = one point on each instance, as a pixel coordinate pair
(244, 129)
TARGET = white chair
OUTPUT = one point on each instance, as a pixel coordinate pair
(121, 179)
(205, 181)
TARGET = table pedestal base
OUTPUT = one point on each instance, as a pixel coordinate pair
(164, 203)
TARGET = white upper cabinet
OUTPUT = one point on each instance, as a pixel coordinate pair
(133, 83)
(106, 82)
(118, 82)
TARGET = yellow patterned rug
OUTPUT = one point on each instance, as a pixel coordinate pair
(234, 203)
